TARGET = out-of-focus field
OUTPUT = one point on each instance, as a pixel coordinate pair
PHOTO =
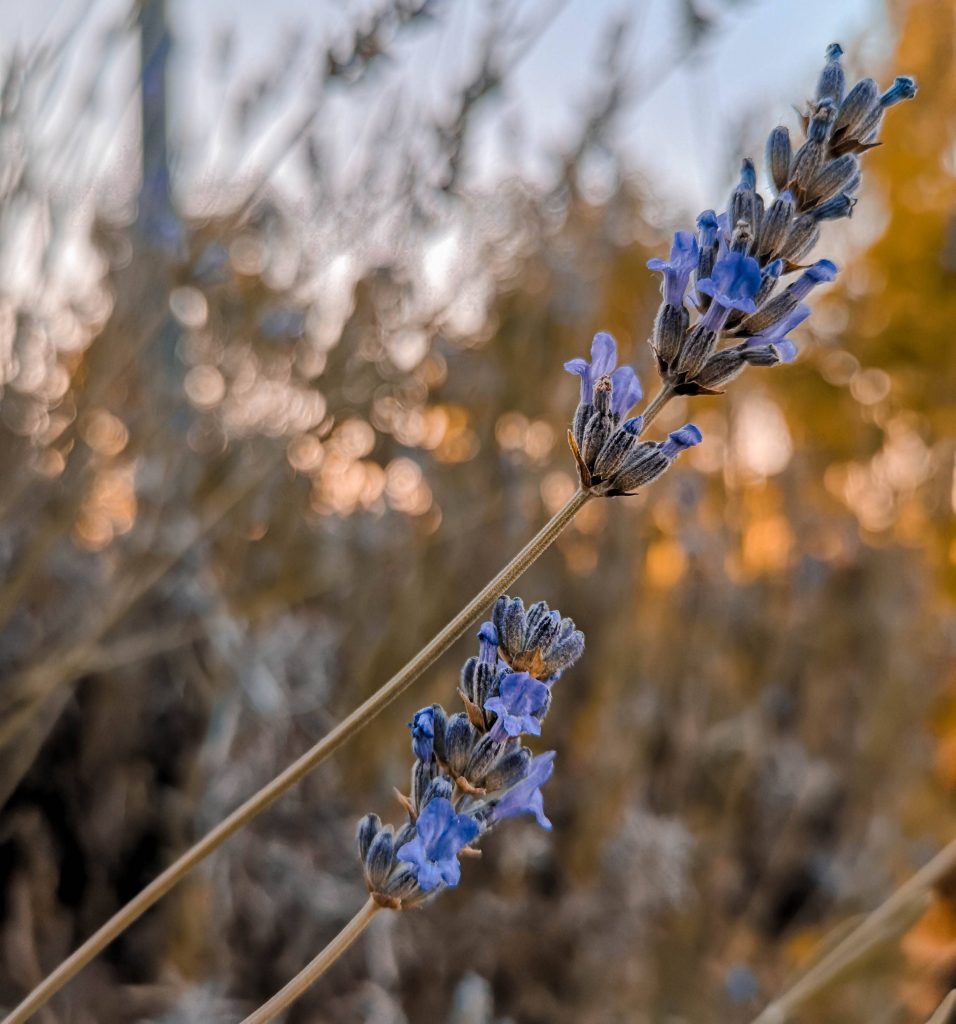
(259, 441)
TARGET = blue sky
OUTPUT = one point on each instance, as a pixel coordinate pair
(685, 137)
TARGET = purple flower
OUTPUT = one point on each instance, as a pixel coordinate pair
(680, 440)
(625, 387)
(733, 283)
(776, 334)
(520, 699)
(440, 835)
(423, 733)
(708, 228)
(903, 88)
(525, 797)
(821, 271)
(625, 390)
(603, 360)
(488, 644)
(678, 268)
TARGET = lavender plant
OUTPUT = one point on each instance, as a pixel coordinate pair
(471, 769)
(725, 307)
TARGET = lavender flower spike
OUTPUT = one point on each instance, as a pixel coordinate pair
(440, 835)
(525, 797)
(518, 706)
(677, 270)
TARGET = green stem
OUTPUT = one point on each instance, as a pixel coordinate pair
(287, 995)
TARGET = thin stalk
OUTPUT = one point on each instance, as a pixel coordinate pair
(946, 1011)
(890, 918)
(655, 405)
(287, 995)
(325, 747)
(271, 792)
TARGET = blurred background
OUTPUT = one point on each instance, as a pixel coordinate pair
(285, 291)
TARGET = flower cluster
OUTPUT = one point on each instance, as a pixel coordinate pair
(611, 458)
(729, 273)
(471, 769)
(734, 263)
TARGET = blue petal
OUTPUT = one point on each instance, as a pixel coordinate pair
(822, 270)
(626, 390)
(578, 366)
(684, 248)
(536, 807)
(429, 876)
(413, 852)
(786, 350)
(708, 227)
(450, 871)
(679, 440)
(434, 820)
(687, 436)
(603, 354)
(488, 634)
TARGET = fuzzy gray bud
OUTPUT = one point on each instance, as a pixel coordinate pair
(511, 769)
(483, 757)
(855, 111)
(696, 350)
(598, 429)
(779, 156)
(721, 368)
(801, 238)
(459, 740)
(615, 451)
(368, 829)
(832, 79)
(378, 861)
(776, 223)
(646, 464)
(669, 330)
(835, 176)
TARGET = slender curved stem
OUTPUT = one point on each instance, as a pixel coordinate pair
(288, 994)
(946, 1011)
(326, 746)
(883, 924)
(655, 405)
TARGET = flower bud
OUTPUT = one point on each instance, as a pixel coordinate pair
(669, 329)
(775, 225)
(778, 157)
(459, 740)
(835, 176)
(801, 238)
(832, 79)
(858, 105)
(368, 829)
(378, 860)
